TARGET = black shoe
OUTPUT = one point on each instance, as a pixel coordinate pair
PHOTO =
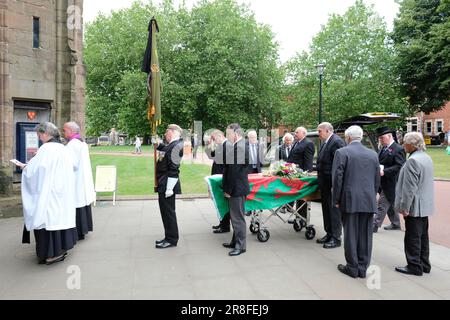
(165, 244)
(216, 227)
(361, 275)
(407, 270)
(345, 270)
(81, 237)
(426, 270)
(221, 230)
(58, 259)
(392, 227)
(324, 239)
(332, 243)
(375, 229)
(236, 252)
(229, 245)
(160, 241)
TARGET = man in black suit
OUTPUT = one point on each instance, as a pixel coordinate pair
(331, 215)
(167, 175)
(236, 187)
(392, 156)
(302, 154)
(285, 149)
(255, 152)
(217, 153)
(356, 179)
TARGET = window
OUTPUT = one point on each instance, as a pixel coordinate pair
(439, 126)
(428, 127)
(36, 27)
(411, 125)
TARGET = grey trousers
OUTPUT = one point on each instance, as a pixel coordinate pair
(237, 210)
(384, 206)
(358, 241)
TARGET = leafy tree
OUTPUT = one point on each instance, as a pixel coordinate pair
(218, 66)
(359, 75)
(422, 38)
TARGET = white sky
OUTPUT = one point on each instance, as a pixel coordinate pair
(294, 22)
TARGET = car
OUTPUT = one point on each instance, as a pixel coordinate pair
(370, 138)
(103, 141)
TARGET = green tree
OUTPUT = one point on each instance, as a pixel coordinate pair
(218, 66)
(422, 38)
(359, 75)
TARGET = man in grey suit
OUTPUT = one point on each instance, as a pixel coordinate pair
(415, 201)
(356, 179)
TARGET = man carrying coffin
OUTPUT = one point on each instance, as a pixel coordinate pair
(48, 197)
(84, 183)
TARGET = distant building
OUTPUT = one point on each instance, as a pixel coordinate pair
(42, 75)
(430, 124)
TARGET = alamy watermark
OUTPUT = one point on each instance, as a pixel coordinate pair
(74, 280)
(74, 18)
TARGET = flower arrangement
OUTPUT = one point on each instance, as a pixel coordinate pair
(286, 170)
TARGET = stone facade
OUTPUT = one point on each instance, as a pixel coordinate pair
(46, 83)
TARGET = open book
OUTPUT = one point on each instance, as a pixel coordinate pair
(17, 162)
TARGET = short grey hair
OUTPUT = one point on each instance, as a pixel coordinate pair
(415, 139)
(354, 133)
(303, 129)
(252, 133)
(236, 129)
(288, 136)
(73, 126)
(326, 125)
(48, 128)
(175, 128)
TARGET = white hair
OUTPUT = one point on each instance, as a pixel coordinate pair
(73, 126)
(48, 128)
(415, 139)
(327, 126)
(288, 136)
(354, 133)
(252, 133)
(303, 129)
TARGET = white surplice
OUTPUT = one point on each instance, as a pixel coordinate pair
(48, 189)
(84, 182)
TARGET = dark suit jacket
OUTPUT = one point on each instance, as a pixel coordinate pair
(168, 165)
(392, 159)
(282, 152)
(218, 156)
(259, 155)
(235, 176)
(356, 179)
(303, 154)
(326, 157)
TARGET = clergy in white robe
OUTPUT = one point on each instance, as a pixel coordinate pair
(48, 196)
(84, 182)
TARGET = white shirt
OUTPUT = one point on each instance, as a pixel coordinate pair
(84, 182)
(48, 185)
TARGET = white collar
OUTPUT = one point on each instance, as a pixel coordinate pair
(326, 141)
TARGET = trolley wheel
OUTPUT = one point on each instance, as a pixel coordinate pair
(298, 226)
(263, 235)
(310, 233)
(254, 227)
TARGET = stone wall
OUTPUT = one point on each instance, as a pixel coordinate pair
(52, 73)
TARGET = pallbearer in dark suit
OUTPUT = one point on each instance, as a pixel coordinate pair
(236, 187)
(167, 174)
(302, 154)
(356, 179)
(285, 149)
(331, 215)
(391, 158)
(254, 152)
(215, 150)
(284, 152)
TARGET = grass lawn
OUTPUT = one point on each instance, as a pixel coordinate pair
(441, 162)
(135, 174)
(124, 149)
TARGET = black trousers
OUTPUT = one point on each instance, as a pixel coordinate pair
(169, 217)
(331, 215)
(358, 228)
(417, 245)
(225, 222)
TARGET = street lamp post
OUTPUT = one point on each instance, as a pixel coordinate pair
(320, 68)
